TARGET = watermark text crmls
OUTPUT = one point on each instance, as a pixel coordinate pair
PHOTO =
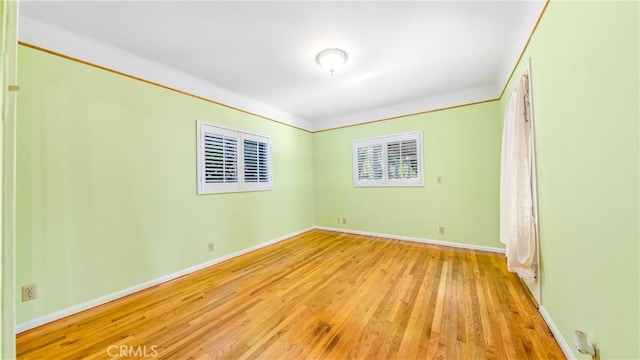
(130, 351)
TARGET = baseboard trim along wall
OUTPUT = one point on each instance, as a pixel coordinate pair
(566, 349)
(119, 294)
(416, 239)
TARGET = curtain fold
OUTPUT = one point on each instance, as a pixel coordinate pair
(517, 223)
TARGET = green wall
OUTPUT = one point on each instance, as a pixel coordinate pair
(8, 72)
(3, 312)
(585, 58)
(462, 145)
(107, 184)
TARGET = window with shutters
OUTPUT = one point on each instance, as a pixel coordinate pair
(393, 160)
(231, 160)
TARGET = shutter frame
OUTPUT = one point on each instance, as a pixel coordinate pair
(401, 159)
(265, 143)
(221, 156)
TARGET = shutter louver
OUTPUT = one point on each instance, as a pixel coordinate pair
(370, 165)
(220, 159)
(402, 159)
(263, 163)
(256, 161)
(250, 161)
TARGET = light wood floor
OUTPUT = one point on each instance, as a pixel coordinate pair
(320, 295)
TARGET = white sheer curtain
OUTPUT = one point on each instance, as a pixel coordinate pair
(517, 222)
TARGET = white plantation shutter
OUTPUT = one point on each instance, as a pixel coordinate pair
(394, 160)
(250, 161)
(264, 159)
(402, 159)
(369, 163)
(230, 160)
(220, 158)
(257, 166)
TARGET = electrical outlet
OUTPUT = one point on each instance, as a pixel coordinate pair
(441, 230)
(29, 292)
(212, 247)
(338, 221)
(344, 220)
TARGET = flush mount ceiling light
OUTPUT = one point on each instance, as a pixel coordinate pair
(331, 59)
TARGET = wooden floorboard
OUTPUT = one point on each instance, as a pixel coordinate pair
(319, 295)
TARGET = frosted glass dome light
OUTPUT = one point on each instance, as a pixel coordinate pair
(331, 59)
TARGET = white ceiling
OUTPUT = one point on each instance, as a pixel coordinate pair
(404, 57)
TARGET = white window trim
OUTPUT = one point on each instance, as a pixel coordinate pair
(240, 185)
(385, 181)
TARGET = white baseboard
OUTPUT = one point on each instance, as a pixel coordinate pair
(27, 325)
(415, 239)
(566, 349)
